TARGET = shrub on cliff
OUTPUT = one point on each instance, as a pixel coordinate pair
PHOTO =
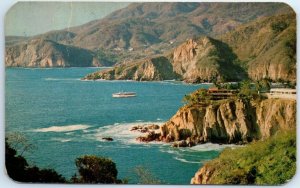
(199, 96)
(269, 162)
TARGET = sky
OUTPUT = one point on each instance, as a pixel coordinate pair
(32, 18)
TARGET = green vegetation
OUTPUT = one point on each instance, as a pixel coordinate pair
(107, 58)
(199, 96)
(145, 176)
(247, 90)
(19, 170)
(279, 26)
(266, 47)
(269, 162)
(92, 169)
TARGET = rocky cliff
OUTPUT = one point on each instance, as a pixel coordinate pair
(47, 53)
(233, 121)
(155, 68)
(151, 28)
(266, 47)
(196, 60)
(205, 60)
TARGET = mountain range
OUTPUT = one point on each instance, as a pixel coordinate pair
(243, 36)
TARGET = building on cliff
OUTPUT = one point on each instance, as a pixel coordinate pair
(219, 94)
(282, 93)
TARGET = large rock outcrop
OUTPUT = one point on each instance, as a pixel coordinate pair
(232, 121)
(155, 68)
(196, 60)
(47, 53)
(205, 59)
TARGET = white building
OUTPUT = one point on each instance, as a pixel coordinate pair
(282, 93)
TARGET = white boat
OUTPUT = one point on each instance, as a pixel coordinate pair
(123, 94)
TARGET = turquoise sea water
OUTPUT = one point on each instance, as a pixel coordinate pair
(65, 118)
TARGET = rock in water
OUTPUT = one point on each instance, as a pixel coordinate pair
(107, 138)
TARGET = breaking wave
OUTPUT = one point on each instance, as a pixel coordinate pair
(67, 128)
(58, 79)
(121, 132)
(213, 147)
(186, 161)
(61, 140)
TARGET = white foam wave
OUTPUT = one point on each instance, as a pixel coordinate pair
(121, 132)
(186, 161)
(212, 147)
(67, 128)
(61, 139)
(169, 151)
(58, 79)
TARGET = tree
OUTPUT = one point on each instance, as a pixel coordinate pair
(263, 85)
(246, 90)
(196, 97)
(19, 142)
(145, 177)
(94, 169)
(19, 170)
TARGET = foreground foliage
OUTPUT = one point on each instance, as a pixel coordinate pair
(92, 169)
(269, 162)
(19, 170)
(146, 177)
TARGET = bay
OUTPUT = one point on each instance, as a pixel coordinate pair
(66, 117)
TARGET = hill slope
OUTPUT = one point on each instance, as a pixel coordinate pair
(263, 48)
(142, 24)
(144, 29)
(270, 162)
(266, 47)
(46, 53)
(197, 60)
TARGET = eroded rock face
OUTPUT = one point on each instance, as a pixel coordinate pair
(46, 53)
(268, 45)
(203, 175)
(196, 60)
(150, 69)
(237, 121)
(205, 59)
(231, 121)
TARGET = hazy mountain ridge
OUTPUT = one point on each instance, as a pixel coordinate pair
(197, 60)
(144, 29)
(46, 53)
(263, 48)
(147, 30)
(169, 21)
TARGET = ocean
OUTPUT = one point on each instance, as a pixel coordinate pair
(65, 117)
